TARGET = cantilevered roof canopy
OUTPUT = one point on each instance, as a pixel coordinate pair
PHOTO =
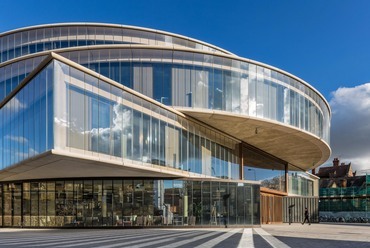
(62, 164)
(299, 148)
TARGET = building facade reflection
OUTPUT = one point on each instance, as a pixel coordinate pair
(128, 202)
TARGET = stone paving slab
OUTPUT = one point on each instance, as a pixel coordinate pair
(337, 231)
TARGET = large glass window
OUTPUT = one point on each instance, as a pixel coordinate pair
(137, 201)
(300, 184)
(17, 204)
(258, 167)
(117, 203)
(107, 203)
(97, 203)
(218, 90)
(34, 193)
(26, 122)
(50, 198)
(128, 202)
(88, 203)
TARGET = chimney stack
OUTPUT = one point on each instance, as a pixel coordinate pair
(335, 162)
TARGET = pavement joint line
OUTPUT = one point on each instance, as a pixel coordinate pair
(274, 242)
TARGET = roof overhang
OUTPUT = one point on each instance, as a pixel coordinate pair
(62, 164)
(301, 149)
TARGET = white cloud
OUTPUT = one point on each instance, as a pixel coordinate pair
(18, 139)
(350, 126)
(16, 105)
(121, 121)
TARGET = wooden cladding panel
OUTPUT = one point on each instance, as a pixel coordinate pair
(271, 208)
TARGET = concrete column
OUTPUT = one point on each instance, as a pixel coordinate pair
(241, 162)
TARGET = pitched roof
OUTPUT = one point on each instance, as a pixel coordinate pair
(334, 171)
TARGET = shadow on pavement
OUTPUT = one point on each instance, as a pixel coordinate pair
(327, 243)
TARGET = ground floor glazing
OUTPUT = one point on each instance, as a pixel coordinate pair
(127, 203)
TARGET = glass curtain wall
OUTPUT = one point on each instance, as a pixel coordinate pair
(26, 120)
(198, 80)
(128, 202)
(54, 37)
(7, 204)
(12, 75)
(195, 80)
(96, 118)
(270, 172)
(300, 184)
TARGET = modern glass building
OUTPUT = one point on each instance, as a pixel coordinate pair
(111, 125)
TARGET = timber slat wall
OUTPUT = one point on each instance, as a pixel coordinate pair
(271, 208)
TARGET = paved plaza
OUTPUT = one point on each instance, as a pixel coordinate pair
(281, 236)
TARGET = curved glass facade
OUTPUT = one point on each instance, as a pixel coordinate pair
(103, 98)
(51, 37)
(12, 74)
(190, 79)
(205, 81)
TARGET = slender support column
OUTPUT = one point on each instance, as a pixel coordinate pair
(286, 178)
(241, 162)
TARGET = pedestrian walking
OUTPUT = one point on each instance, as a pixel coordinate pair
(306, 217)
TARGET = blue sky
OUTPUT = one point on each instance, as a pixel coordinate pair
(326, 43)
